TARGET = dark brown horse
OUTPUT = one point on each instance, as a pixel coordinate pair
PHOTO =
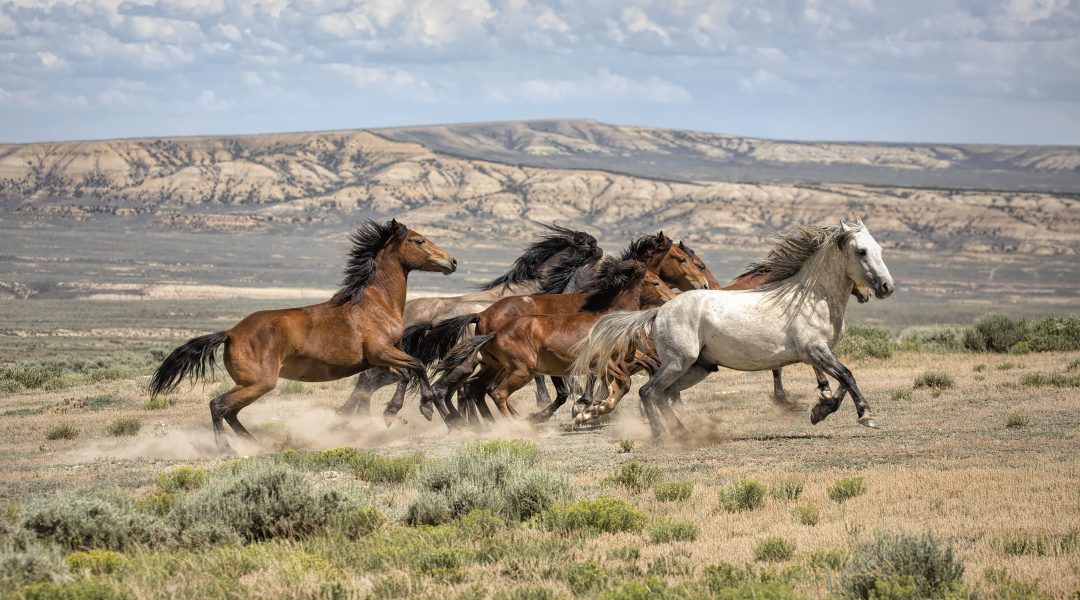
(526, 345)
(357, 329)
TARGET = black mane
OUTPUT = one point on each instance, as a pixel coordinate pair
(368, 239)
(560, 276)
(611, 278)
(527, 266)
(645, 247)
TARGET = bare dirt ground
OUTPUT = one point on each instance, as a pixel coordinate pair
(945, 462)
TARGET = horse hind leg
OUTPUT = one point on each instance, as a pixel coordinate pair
(543, 398)
(228, 405)
(778, 386)
(367, 383)
(562, 392)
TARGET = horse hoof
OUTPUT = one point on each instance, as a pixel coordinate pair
(825, 395)
(868, 421)
(427, 411)
(816, 416)
(388, 418)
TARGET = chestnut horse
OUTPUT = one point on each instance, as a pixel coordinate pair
(526, 345)
(359, 328)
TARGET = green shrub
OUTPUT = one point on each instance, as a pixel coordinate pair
(745, 494)
(261, 500)
(1016, 421)
(673, 491)
(526, 593)
(158, 403)
(786, 489)
(96, 562)
(80, 589)
(480, 524)
(932, 338)
(935, 380)
(994, 332)
(807, 514)
(865, 341)
(650, 588)
(774, 549)
(358, 521)
(846, 488)
(156, 503)
(442, 564)
(728, 582)
(102, 401)
(832, 559)
(917, 566)
(625, 445)
(600, 515)
(634, 476)
(1053, 334)
(29, 562)
(1020, 544)
(63, 431)
(662, 532)
(1073, 365)
(1055, 380)
(30, 377)
(124, 427)
(1020, 348)
(365, 465)
(504, 480)
(181, 479)
(584, 578)
(86, 520)
(900, 395)
(1007, 588)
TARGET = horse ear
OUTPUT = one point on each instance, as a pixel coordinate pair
(859, 222)
(400, 230)
(845, 227)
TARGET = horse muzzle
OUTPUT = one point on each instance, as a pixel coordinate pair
(884, 289)
(447, 266)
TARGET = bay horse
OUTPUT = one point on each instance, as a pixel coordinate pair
(799, 318)
(657, 253)
(359, 328)
(545, 266)
(526, 345)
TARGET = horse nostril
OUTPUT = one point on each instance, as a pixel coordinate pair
(887, 287)
(453, 262)
(705, 286)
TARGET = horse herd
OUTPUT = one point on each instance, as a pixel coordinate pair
(564, 310)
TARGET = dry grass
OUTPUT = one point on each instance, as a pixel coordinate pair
(944, 464)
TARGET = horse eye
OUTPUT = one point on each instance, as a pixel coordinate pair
(861, 252)
(682, 261)
(420, 241)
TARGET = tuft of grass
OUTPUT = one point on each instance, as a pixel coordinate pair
(599, 515)
(786, 489)
(358, 521)
(181, 479)
(1016, 421)
(744, 494)
(865, 341)
(124, 427)
(365, 465)
(87, 520)
(584, 578)
(634, 476)
(1073, 365)
(81, 589)
(1020, 544)
(774, 549)
(519, 449)
(846, 488)
(290, 387)
(29, 562)
(900, 395)
(260, 500)
(979, 368)
(832, 559)
(158, 403)
(505, 481)
(62, 431)
(102, 401)
(625, 445)
(662, 532)
(1007, 588)
(1007, 366)
(932, 338)
(30, 377)
(1055, 380)
(902, 566)
(673, 491)
(808, 514)
(934, 380)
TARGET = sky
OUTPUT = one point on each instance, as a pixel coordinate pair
(881, 70)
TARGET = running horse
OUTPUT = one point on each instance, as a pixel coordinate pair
(798, 317)
(546, 266)
(358, 329)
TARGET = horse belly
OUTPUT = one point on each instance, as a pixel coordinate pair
(299, 368)
(745, 344)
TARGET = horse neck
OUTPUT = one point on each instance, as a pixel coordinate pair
(823, 277)
(390, 281)
(628, 298)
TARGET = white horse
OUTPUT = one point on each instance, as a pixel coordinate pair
(798, 317)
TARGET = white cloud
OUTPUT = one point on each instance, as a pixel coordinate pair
(209, 101)
(763, 81)
(377, 77)
(603, 84)
(1028, 11)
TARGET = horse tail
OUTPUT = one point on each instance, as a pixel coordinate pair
(611, 335)
(194, 360)
(444, 335)
(461, 353)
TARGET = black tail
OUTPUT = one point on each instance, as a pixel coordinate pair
(413, 337)
(444, 335)
(461, 353)
(194, 360)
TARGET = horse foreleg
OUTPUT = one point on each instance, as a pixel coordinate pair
(824, 359)
(504, 386)
(543, 398)
(562, 392)
(827, 406)
(824, 391)
(394, 357)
